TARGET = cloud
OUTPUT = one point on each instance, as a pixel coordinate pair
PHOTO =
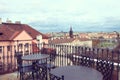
(79, 13)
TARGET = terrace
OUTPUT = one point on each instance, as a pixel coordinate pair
(65, 55)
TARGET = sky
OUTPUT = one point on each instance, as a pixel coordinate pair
(60, 15)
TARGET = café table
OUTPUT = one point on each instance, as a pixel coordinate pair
(35, 58)
(77, 73)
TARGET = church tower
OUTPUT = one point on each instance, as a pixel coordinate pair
(71, 32)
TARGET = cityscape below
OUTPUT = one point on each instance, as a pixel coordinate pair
(67, 47)
(60, 40)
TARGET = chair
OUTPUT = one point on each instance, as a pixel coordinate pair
(1, 67)
(45, 65)
(52, 53)
(106, 68)
(24, 70)
(54, 77)
(41, 65)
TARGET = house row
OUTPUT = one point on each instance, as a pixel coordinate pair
(75, 42)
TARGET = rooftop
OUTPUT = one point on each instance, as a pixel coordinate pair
(10, 30)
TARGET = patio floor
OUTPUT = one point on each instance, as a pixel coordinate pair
(13, 76)
(10, 76)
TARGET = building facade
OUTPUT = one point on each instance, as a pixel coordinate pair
(17, 37)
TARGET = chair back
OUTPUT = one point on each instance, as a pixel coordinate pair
(19, 59)
(49, 51)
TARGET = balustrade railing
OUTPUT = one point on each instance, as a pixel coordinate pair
(63, 52)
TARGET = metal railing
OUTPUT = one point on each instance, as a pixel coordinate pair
(8, 60)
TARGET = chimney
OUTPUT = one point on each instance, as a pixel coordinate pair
(8, 21)
(17, 22)
(0, 20)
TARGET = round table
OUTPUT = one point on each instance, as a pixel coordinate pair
(77, 73)
(35, 57)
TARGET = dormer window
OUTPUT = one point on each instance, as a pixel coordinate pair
(29, 32)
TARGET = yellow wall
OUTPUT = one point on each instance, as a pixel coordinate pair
(23, 36)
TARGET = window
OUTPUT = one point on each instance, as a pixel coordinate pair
(0, 49)
(8, 48)
(26, 45)
(20, 46)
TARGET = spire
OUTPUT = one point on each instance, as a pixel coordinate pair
(71, 32)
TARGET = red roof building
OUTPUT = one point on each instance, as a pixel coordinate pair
(17, 37)
(73, 41)
(11, 30)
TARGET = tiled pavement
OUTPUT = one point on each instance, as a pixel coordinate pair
(10, 76)
(13, 76)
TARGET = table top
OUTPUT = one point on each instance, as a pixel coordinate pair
(77, 73)
(34, 57)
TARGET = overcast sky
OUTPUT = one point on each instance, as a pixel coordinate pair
(76, 13)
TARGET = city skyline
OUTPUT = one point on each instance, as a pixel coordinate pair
(46, 15)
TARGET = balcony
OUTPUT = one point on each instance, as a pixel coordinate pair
(65, 55)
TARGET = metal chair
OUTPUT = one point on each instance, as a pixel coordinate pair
(54, 77)
(106, 68)
(25, 70)
(52, 53)
(45, 65)
(42, 69)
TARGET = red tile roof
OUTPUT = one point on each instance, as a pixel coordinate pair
(10, 30)
(57, 41)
